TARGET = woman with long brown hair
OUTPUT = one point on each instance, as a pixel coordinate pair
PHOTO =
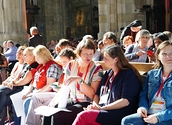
(117, 95)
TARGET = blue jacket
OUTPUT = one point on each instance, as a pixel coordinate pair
(150, 87)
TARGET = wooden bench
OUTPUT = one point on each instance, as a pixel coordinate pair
(141, 67)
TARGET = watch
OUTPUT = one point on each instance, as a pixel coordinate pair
(80, 81)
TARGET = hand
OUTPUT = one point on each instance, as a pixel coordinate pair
(142, 112)
(93, 106)
(140, 53)
(10, 85)
(4, 83)
(26, 95)
(152, 119)
(72, 79)
(151, 59)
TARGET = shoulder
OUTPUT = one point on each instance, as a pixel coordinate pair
(154, 71)
(127, 74)
(131, 46)
(34, 65)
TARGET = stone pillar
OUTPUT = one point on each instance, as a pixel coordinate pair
(13, 21)
(107, 16)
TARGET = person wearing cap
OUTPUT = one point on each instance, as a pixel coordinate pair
(36, 39)
(131, 30)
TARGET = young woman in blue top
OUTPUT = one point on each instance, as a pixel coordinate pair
(155, 106)
(117, 95)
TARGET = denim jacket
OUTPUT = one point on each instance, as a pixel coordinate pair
(150, 87)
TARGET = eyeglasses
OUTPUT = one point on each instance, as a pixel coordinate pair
(166, 54)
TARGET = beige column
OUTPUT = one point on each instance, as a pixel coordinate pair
(107, 16)
(13, 21)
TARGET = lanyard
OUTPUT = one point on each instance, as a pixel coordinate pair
(110, 76)
(162, 84)
(79, 74)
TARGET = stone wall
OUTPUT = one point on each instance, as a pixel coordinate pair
(82, 18)
(75, 18)
(13, 21)
(115, 14)
(51, 19)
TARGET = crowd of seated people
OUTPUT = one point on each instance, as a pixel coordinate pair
(96, 95)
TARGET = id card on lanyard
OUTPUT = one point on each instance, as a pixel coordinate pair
(105, 92)
(79, 94)
(159, 103)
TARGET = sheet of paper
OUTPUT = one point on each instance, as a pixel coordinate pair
(18, 103)
(63, 97)
(48, 111)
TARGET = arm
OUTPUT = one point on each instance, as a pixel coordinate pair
(121, 103)
(10, 52)
(129, 54)
(96, 99)
(28, 93)
(164, 115)
(25, 80)
(53, 74)
(47, 87)
(143, 100)
(129, 91)
(96, 78)
(89, 90)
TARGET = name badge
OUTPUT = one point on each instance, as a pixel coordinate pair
(80, 95)
(157, 105)
(103, 98)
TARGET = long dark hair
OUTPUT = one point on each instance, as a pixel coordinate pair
(115, 51)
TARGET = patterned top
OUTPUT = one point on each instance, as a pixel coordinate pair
(95, 73)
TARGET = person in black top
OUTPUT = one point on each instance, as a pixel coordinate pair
(36, 39)
(131, 30)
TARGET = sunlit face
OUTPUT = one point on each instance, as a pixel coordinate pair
(127, 43)
(28, 57)
(143, 41)
(109, 62)
(107, 41)
(165, 56)
(64, 60)
(38, 59)
(86, 55)
(19, 55)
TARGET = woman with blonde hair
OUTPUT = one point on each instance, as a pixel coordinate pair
(47, 72)
(83, 76)
(21, 76)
